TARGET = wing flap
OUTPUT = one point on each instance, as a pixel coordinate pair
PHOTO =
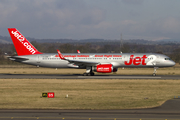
(83, 63)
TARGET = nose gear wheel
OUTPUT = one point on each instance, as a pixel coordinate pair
(155, 71)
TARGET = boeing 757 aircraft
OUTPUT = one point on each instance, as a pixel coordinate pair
(92, 62)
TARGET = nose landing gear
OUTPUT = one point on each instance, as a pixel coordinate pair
(155, 71)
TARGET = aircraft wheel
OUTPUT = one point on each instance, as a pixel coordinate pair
(92, 74)
(85, 74)
(88, 74)
(154, 74)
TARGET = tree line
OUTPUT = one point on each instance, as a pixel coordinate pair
(171, 50)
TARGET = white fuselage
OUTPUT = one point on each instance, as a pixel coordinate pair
(52, 60)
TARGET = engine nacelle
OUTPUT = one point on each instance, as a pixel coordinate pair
(105, 68)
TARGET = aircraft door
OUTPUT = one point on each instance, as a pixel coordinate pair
(38, 59)
(124, 58)
(151, 60)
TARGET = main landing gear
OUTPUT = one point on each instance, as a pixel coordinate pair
(88, 72)
(154, 73)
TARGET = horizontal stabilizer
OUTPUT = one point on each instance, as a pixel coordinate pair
(17, 58)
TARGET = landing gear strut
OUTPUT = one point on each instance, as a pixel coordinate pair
(88, 72)
(154, 73)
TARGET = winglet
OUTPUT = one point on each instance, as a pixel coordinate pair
(78, 52)
(60, 55)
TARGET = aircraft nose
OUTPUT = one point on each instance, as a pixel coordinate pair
(172, 63)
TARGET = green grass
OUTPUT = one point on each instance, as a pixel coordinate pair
(19, 69)
(126, 71)
(86, 94)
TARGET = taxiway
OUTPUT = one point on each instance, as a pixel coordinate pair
(170, 110)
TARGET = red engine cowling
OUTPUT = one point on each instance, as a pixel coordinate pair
(105, 68)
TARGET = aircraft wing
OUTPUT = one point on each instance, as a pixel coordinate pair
(83, 63)
(77, 62)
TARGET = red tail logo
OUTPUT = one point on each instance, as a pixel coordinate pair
(22, 45)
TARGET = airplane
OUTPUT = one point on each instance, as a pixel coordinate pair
(92, 62)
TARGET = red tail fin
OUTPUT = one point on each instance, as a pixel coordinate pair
(22, 45)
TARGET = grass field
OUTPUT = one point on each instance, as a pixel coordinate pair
(23, 69)
(86, 94)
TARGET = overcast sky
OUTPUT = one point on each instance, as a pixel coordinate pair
(84, 19)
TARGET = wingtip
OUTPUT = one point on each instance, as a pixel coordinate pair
(60, 55)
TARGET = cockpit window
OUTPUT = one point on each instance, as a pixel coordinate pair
(167, 59)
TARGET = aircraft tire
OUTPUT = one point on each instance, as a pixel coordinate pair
(85, 74)
(92, 74)
(154, 74)
(88, 74)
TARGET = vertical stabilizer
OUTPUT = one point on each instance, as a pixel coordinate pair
(22, 45)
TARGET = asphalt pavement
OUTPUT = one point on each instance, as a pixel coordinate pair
(170, 110)
(79, 76)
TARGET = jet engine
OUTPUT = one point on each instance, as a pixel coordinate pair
(104, 68)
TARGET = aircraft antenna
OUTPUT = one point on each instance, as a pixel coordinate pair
(121, 44)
